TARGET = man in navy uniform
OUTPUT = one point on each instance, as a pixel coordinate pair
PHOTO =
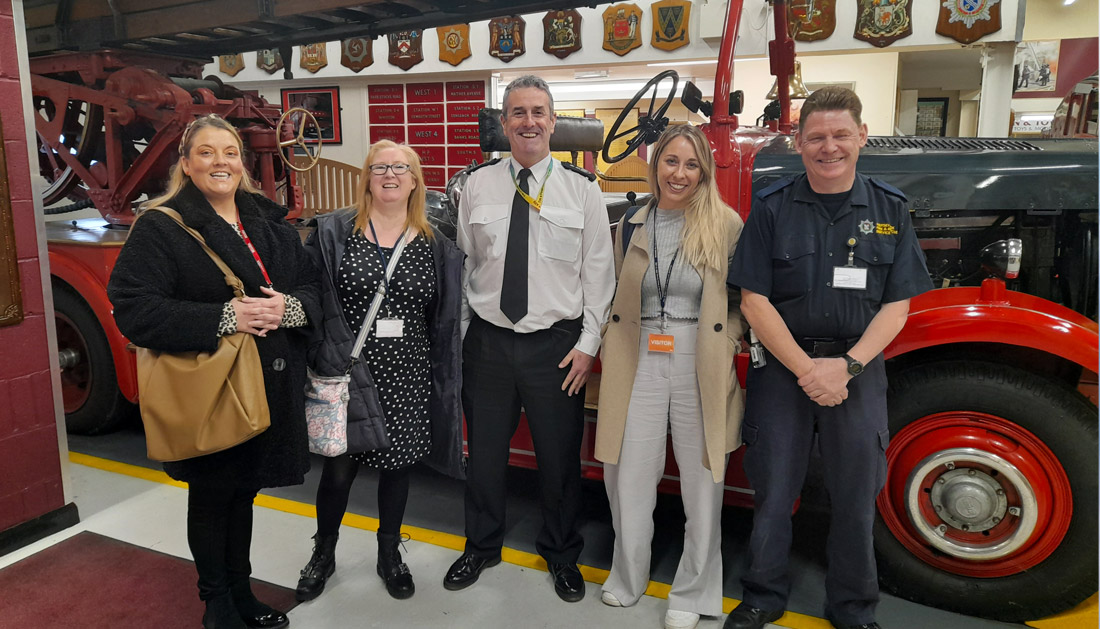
(826, 264)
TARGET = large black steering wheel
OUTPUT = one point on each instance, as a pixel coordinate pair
(649, 126)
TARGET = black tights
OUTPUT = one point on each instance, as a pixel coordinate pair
(219, 532)
(332, 495)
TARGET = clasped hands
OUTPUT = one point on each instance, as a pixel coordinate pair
(827, 382)
(258, 315)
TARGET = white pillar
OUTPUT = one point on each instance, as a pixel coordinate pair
(968, 113)
(996, 102)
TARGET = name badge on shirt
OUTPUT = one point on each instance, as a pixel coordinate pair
(661, 343)
(389, 328)
(851, 277)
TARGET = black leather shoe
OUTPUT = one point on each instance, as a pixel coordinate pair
(745, 616)
(465, 571)
(870, 625)
(321, 566)
(395, 573)
(273, 620)
(221, 613)
(568, 582)
(257, 615)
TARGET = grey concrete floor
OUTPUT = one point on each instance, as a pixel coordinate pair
(511, 595)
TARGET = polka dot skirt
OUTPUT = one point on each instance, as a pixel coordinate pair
(400, 366)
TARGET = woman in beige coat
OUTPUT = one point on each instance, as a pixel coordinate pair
(667, 357)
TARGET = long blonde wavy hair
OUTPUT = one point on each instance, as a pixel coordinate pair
(417, 203)
(176, 177)
(703, 239)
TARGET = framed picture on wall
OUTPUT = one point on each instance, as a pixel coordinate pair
(324, 104)
(932, 117)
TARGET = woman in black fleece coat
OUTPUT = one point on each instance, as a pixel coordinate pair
(169, 296)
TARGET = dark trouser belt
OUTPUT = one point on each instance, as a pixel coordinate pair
(825, 348)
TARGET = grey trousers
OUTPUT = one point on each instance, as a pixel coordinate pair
(666, 393)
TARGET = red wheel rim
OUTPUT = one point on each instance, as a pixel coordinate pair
(998, 451)
(76, 375)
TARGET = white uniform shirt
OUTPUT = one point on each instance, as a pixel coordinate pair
(570, 264)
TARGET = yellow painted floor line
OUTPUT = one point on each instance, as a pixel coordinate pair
(1084, 615)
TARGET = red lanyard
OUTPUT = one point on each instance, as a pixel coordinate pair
(255, 254)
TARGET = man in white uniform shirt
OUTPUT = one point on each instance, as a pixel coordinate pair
(538, 284)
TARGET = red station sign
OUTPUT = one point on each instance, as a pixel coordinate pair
(395, 133)
(463, 155)
(387, 114)
(426, 113)
(432, 155)
(386, 93)
(427, 134)
(464, 112)
(462, 134)
(424, 93)
(465, 90)
(435, 177)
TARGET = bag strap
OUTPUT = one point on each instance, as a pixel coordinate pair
(231, 279)
(626, 227)
(376, 303)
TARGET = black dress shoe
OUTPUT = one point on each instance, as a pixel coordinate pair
(745, 616)
(465, 571)
(568, 582)
(839, 625)
(274, 620)
(257, 615)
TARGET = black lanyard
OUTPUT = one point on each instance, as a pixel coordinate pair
(662, 291)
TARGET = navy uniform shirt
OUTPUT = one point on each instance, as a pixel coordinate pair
(791, 243)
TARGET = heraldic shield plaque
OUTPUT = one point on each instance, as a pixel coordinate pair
(314, 56)
(671, 19)
(561, 33)
(269, 60)
(231, 64)
(506, 35)
(967, 21)
(811, 20)
(883, 22)
(622, 28)
(406, 48)
(454, 43)
(356, 53)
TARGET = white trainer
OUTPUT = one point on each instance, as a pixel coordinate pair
(609, 599)
(675, 619)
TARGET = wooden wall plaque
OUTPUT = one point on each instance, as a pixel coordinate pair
(11, 292)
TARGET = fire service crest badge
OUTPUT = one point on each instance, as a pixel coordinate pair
(811, 20)
(356, 53)
(454, 43)
(622, 28)
(967, 21)
(406, 49)
(883, 22)
(506, 36)
(314, 56)
(561, 33)
(231, 64)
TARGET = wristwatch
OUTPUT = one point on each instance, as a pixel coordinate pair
(854, 366)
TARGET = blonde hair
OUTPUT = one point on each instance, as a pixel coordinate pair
(177, 179)
(417, 203)
(703, 239)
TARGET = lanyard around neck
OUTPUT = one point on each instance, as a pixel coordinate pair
(382, 255)
(536, 202)
(662, 291)
(255, 254)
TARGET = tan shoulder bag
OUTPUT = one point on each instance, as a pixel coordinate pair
(196, 403)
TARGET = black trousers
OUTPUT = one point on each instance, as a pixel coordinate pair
(779, 427)
(219, 532)
(503, 371)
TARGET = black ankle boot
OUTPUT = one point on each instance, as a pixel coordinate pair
(256, 615)
(221, 613)
(399, 583)
(320, 567)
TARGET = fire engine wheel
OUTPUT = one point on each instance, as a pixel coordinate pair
(990, 502)
(89, 391)
(650, 126)
(81, 132)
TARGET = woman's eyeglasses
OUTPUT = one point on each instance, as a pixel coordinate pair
(380, 169)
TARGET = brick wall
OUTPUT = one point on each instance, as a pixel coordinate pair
(30, 471)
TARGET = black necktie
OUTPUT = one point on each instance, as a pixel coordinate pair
(513, 291)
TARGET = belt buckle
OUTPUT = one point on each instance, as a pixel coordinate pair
(819, 348)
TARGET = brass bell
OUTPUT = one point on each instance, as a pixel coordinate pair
(796, 87)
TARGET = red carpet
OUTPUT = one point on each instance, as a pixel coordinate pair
(95, 582)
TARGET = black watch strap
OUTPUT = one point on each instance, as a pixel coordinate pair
(854, 366)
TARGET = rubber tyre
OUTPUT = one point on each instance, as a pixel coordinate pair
(1067, 424)
(103, 408)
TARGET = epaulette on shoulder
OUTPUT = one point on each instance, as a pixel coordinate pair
(775, 187)
(471, 169)
(579, 171)
(888, 188)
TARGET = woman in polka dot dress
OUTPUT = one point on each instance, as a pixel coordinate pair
(396, 415)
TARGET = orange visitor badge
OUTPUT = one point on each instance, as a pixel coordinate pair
(660, 343)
